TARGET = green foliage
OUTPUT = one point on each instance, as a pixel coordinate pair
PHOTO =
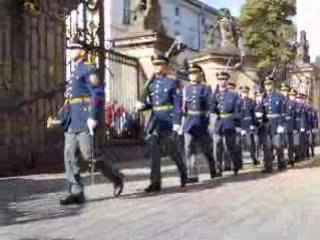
(267, 30)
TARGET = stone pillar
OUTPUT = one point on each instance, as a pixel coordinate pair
(305, 79)
(215, 60)
(143, 46)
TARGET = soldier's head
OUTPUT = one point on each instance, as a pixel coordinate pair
(309, 101)
(196, 73)
(77, 51)
(293, 95)
(285, 89)
(244, 91)
(161, 64)
(223, 78)
(269, 84)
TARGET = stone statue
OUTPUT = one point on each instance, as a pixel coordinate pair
(139, 12)
(303, 48)
(147, 16)
(227, 28)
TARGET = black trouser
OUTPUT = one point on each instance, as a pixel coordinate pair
(248, 143)
(225, 143)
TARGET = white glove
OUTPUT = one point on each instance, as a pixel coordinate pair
(243, 132)
(238, 130)
(280, 129)
(139, 105)
(252, 127)
(259, 114)
(176, 128)
(302, 130)
(91, 123)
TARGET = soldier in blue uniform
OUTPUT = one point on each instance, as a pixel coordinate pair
(248, 123)
(196, 104)
(81, 117)
(226, 107)
(300, 127)
(261, 120)
(274, 135)
(232, 87)
(165, 101)
(289, 114)
(311, 120)
(314, 126)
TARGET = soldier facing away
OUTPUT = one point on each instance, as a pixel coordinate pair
(80, 118)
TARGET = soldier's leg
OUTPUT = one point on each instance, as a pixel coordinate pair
(252, 147)
(238, 149)
(105, 166)
(278, 143)
(290, 148)
(171, 144)
(312, 140)
(190, 155)
(218, 151)
(154, 150)
(205, 142)
(267, 151)
(230, 140)
(71, 162)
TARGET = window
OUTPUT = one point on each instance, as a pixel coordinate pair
(177, 12)
(126, 11)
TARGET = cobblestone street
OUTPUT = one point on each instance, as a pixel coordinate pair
(251, 206)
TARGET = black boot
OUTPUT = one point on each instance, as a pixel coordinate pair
(192, 180)
(118, 187)
(73, 200)
(153, 187)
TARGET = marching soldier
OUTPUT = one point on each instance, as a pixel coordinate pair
(166, 105)
(227, 158)
(81, 117)
(248, 122)
(261, 120)
(289, 114)
(274, 105)
(225, 104)
(312, 121)
(301, 125)
(196, 103)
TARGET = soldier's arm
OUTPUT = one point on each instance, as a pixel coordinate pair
(237, 111)
(96, 87)
(177, 102)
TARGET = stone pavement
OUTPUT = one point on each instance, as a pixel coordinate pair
(251, 206)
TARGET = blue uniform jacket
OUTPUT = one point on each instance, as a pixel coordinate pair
(301, 117)
(274, 104)
(290, 114)
(226, 105)
(248, 117)
(85, 99)
(165, 101)
(196, 103)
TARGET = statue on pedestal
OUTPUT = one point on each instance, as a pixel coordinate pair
(227, 28)
(303, 48)
(139, 13)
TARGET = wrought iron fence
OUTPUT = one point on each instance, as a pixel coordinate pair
(34, 69)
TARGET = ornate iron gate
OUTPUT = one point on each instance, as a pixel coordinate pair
(34, 35)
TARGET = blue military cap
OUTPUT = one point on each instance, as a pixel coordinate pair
(269, 80)
(194, 68)
(159, 59)
(222, 75)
